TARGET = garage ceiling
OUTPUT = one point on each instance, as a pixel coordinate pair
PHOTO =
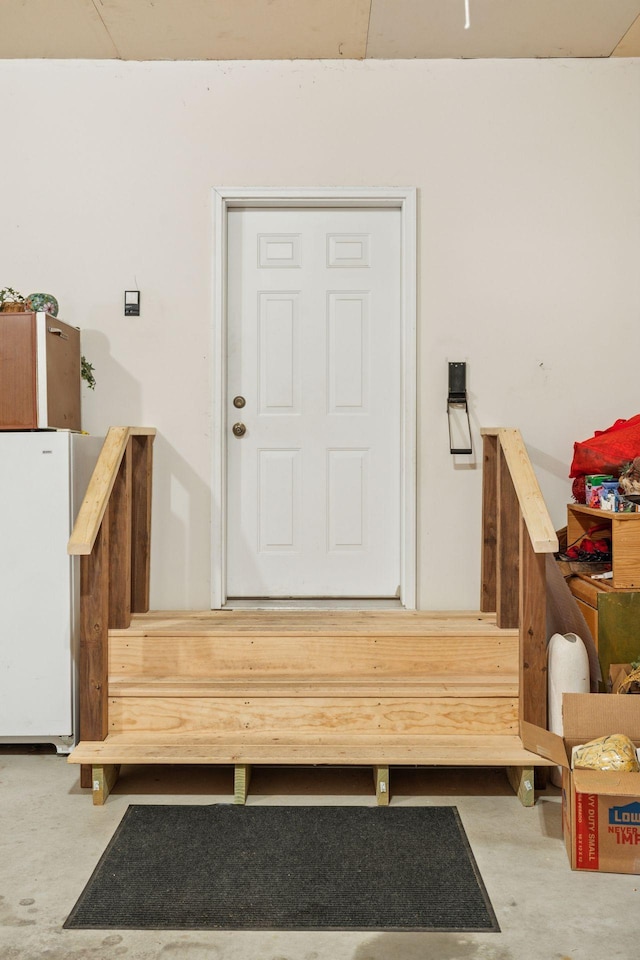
(317, 29)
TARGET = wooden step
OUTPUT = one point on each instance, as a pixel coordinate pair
(456, 751)
(311, 623)
(316, 686)
(300, 657)
(311, 716)
(304, 687)
(220, 646)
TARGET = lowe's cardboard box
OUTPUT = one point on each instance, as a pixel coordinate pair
(600, 811)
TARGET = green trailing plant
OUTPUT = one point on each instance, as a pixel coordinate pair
(86, 372)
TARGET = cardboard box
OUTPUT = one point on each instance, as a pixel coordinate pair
(600, 811)
(618, 673)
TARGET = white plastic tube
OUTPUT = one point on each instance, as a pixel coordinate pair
(568, 672)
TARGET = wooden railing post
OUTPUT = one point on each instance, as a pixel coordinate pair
(508, 536)
(120, 512)
(488, 601)
(142, 460)
(524, 535)
(94, 626)
(111, 536)
(533, 632)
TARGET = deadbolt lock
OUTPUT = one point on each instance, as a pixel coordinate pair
(239, 402)
(239, 429)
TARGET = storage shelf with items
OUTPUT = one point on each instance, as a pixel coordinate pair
(623, 530)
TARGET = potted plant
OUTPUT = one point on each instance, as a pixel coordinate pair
(11, 301)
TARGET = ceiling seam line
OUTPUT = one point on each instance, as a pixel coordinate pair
(106, 28)
(625, 34)
(366, 40)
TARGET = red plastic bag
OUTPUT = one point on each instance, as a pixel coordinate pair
(608, 450)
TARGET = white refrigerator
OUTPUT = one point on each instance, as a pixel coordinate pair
(43, 479)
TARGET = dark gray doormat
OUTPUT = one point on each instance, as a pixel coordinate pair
(286, 868)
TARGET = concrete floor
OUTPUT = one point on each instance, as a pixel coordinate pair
(51, 837)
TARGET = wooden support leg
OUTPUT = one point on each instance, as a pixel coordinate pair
(521, 779)
(381, 780)
(241, 779)
(103, 780)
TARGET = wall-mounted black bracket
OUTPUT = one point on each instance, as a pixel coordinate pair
(457, 400)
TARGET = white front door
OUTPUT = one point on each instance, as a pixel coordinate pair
(314, 350)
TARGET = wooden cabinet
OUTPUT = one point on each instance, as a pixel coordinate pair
(611, 608)
(39, 372)
(624, 531)
(613, 617)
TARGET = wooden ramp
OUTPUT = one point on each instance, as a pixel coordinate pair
(378, 688)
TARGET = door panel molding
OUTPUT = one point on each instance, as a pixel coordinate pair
(403, 199)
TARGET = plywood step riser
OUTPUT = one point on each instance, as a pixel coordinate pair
(434, 686)
(313, 717)
(340, 657)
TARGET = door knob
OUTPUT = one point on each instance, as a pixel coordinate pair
(239, 402)
(239, 429)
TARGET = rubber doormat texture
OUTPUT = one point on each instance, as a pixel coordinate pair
(286, 868)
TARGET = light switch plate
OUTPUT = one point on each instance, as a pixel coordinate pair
(132, 303)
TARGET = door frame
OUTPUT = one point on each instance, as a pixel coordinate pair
(401, 198)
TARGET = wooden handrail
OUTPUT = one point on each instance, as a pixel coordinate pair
(532, 506)
(92, 509)
(112, 536)
(517, 536)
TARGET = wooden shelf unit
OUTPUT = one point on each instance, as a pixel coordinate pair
(613, 618)
(624, 532)
(40, 383)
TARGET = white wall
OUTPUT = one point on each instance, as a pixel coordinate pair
(529, 251)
